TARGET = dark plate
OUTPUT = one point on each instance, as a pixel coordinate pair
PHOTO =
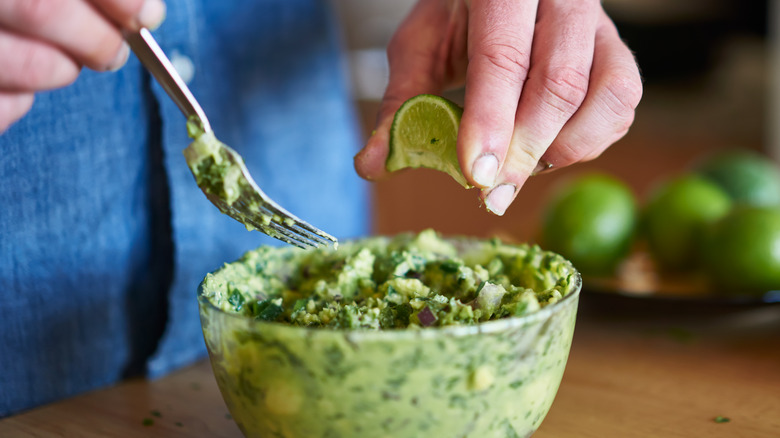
(639, 287)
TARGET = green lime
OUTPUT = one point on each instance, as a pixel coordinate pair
(743, 250)
(424, 133)
(674, 218)
(591, 221)
(747, 176)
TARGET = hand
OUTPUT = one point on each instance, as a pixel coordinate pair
(547, 83)
(44, 44)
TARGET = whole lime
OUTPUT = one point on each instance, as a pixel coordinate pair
(675, 216)
(743, 250)
(591, 220)
(747, 176)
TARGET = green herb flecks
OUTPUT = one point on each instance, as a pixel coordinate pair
(268, 310)
(236, 298)
(395, 315)
(408, 281)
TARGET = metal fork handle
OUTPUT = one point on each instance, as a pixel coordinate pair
(153, 58)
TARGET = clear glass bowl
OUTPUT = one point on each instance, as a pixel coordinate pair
(494, 379)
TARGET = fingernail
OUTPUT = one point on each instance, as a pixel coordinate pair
(541, 167)
(120, 59)
(499, 198)
(485, 169)
(152, 14)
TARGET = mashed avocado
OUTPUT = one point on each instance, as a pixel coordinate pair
(410, 281)
(215, 172)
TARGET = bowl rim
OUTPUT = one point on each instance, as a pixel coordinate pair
(491, 326)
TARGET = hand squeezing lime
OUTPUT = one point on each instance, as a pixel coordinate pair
(424, 133)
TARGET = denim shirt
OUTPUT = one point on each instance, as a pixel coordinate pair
(104, 235)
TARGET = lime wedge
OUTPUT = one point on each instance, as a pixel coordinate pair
(424, 134)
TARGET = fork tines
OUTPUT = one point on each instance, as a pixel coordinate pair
(269, 218)
(293, 227)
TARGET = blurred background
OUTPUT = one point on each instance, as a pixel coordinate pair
(707, 86)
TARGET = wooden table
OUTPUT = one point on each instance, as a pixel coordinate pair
(629, 376)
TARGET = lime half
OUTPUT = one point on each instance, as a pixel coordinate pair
(424, 134)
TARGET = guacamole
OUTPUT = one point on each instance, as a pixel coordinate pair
(411, 336)
(221, 174)
(215, 171)
(406, 282)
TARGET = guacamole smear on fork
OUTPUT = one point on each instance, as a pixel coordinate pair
(214, 171)
(222, 176)
(409, 281)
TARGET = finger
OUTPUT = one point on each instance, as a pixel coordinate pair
(558, 81)
(29, 65)
(500, 35)
(418, 63)
(133, 14)
(12, 107)
(608, 110)
(76, 27)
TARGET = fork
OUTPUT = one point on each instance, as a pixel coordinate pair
(252, 207)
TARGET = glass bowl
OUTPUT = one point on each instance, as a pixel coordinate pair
(492, 379)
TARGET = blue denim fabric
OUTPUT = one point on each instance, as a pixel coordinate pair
(104, 235)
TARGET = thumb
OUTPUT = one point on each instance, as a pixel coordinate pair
(417, 56)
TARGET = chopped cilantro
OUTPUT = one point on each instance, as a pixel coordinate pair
(516, 384)
(267, 310)
(395, 315)
(721, 419)
(147, 422)
(509, 431)
(236, 299)
(299, 305)
(450, 266)
(403, 312)
(155, 413)
(387, 395)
